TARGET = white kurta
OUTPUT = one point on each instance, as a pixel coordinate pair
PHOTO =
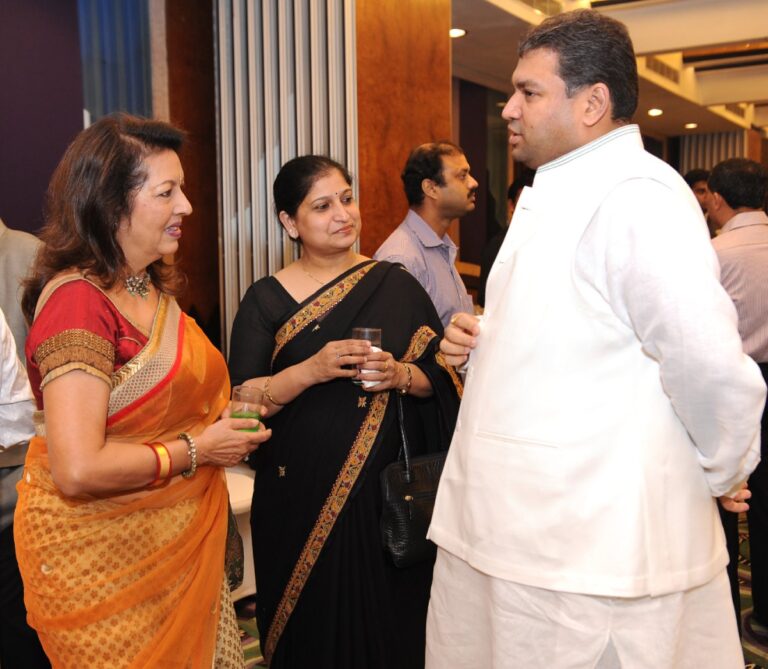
(608, 400)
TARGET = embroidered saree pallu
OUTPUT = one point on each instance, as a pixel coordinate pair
(137, 581)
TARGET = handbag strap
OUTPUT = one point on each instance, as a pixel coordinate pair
(401, 422)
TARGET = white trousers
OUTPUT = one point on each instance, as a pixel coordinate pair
(476, 621)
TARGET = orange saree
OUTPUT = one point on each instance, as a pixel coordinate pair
(134, 583)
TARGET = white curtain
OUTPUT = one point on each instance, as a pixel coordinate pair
(286, 85)
(705, 151)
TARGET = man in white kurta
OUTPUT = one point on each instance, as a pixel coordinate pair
(607, 404)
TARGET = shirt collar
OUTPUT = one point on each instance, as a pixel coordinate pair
(427, 236)
(745, 218)
(628, 130)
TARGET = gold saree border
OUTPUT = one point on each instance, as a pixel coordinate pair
(418, 345)
(318, 307)
(345, 481)
(457, 382)
(140, 377)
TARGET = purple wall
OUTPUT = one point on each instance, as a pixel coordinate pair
(42, 101)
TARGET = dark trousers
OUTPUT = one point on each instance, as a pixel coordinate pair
(19, 646)
(757, 517)
(731, 526)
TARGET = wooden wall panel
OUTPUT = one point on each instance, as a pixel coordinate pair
(191, 105)
(404, 99)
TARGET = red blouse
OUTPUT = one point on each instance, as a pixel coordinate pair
(79, 328)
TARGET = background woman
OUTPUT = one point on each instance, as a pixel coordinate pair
(122, 515)
(327, 594)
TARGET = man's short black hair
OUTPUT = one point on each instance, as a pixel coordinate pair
(591, 48)
(695, 175)
(426, 162)
(740, 182)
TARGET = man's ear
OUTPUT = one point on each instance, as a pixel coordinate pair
(715, 201)
(287, 222)
(597, 104)
(430, 188)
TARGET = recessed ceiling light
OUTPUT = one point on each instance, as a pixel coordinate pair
(457, 32)
(655, 112)
(691, 126)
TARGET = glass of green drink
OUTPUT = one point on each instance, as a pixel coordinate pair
(246, 403)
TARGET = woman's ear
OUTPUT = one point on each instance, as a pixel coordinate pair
(287, 222)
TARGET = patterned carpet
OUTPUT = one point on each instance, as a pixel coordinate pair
(246, 611)
(755, 653)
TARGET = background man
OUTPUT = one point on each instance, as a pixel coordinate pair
(697, 182)
(608, 401)
(738, 191)
(19, 644)
(439, 189)
(17, 250)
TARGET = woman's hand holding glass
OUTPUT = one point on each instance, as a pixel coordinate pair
(339, 359)
(382, 372)
(229, 440)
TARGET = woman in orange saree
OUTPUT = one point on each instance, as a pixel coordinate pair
(122, 516)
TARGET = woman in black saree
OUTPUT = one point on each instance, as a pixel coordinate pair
(328, 596)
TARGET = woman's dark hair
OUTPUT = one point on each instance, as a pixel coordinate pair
(591, 48)
(297, 177)
(92, 189)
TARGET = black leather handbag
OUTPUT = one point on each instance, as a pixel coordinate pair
(409, 487)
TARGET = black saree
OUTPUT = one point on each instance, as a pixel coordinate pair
(327, 594)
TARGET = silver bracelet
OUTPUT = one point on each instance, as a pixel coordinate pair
(192, 452)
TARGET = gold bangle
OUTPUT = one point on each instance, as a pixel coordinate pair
(192, 452)
(406, 389)
(164, 461)
(268, 394)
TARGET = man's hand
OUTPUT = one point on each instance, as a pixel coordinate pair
(460, 338)
(737, 503)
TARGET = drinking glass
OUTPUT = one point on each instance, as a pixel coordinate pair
(246, 403)
(372, 335)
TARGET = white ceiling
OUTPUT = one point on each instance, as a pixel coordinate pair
(690, 36)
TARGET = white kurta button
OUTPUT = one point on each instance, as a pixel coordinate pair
(46, 569)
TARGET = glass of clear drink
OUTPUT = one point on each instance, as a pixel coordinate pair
(372, 335)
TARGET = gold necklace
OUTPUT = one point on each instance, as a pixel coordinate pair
(310, 275)
(313, 277)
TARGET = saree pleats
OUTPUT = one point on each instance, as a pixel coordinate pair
(136, 582)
